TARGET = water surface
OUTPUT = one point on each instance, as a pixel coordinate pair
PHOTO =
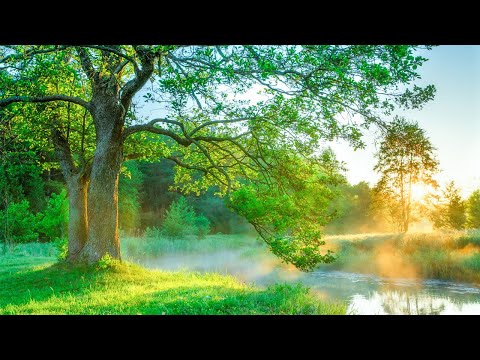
(365, 294)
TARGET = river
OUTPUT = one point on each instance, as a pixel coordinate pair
(365, 294)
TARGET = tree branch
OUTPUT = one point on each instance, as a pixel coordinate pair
(87, 65)
(213, 122)
(140, 79)
(63, 152)
(31, 53)
(186, 166)
(219, 139)
(150, 127)
(116, 52)
(42, 99)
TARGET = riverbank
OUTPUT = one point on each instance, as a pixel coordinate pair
(447, 255)
(37, 285)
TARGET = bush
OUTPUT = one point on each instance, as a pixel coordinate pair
(21, 223)
(181, 220)
(61, 245)
(202, 226)
(153, 232)
(52, 224)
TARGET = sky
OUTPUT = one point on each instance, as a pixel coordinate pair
(451, 120)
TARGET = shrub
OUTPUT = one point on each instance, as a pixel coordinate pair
(20, 223)
(202, 226)
(52, 224)
(61, 244)
(153, 232)
(473, 262)
(181, 220)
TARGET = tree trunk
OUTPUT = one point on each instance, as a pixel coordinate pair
(103, 235)
(78, 221)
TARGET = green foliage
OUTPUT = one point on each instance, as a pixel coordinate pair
(181, 220)
(473, 262)
(52, 224)
(107, 262)
(405, 157)
(473, 210)
(123, 288)
(18, 223)
(290, 215)
(202, 225)
(448, 209)
(354, 211)
(61, 245)
(129, 185)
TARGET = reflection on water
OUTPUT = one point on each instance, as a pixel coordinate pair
(365, 294)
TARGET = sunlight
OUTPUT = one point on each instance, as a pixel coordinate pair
(419, 191)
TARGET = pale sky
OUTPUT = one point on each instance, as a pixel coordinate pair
(451, 120)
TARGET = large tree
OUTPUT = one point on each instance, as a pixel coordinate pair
(207, 123)
(405, 157)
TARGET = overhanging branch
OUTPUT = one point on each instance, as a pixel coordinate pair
(150, 127)
(42, 99)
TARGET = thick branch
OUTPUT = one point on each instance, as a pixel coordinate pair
(87, 65)
(180, 163)
(116, 52)
(31, 52)
(146, 127)
(134, 85)
(150, 127)
(64, 155)
(42, 99)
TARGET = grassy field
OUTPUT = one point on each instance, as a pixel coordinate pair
(453, 255)
(32, 283)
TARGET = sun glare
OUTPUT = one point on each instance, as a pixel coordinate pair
(419, 191)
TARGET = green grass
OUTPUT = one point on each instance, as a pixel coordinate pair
(37, 285)
(453, 255)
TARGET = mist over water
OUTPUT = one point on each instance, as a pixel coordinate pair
(364, 293)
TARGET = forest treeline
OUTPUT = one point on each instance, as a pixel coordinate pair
(34, 203)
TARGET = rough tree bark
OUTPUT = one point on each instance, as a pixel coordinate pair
(108, 111)
(78, 220)
(103, 236)
(77, 182)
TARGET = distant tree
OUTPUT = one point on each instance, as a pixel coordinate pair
(181, 220)
(353, 209)
(448, 209)
(386, 210)
(473, 210)
(405, 157)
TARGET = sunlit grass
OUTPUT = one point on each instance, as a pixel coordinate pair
(36, 285)
(451, 255)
